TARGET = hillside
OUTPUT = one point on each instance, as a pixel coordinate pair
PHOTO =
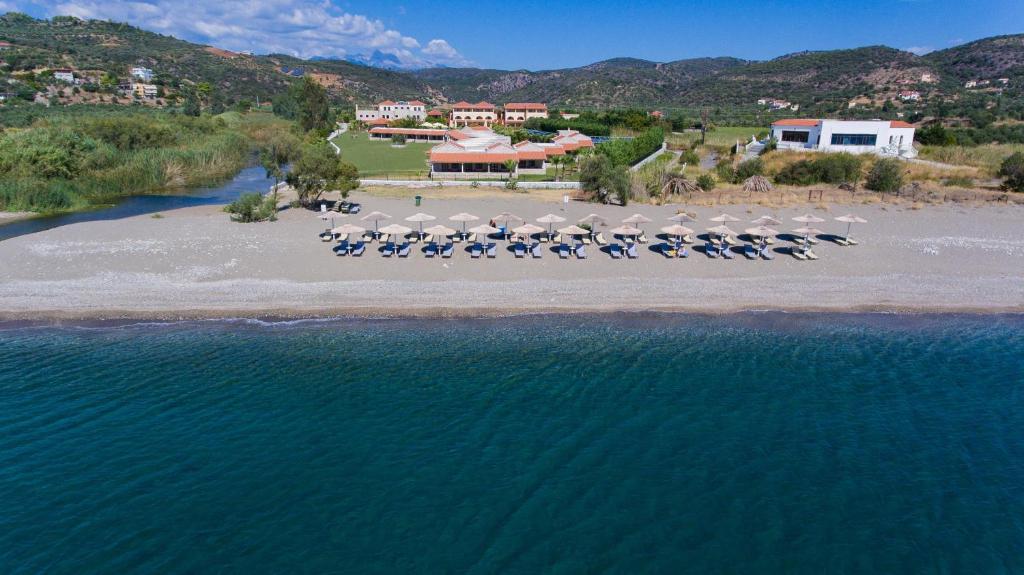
(998, 57)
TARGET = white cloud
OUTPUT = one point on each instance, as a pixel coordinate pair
(920, 50)
(302, 28)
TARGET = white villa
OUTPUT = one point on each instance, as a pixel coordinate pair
(517, 113)
(478, 152)
(884, 137)
(479, 114)
(141, 73)
(388, 111)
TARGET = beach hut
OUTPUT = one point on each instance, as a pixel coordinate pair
(376, 218)
(850, 219)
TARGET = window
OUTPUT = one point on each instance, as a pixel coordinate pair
(854, 139)
(792, 136)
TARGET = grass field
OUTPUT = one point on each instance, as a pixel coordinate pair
(987, 157)
(724, 136)
(375, 158)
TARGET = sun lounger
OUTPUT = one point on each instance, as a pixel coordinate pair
(389, 250)
(535, 251)
(585, 240)
(476, 250)
(367, 237)
(358, 249)
(520, 250)
(384, 239)
(557, 239)
(492, 250)
(750, 251)
(642, 238)
(681, 251)
(812, 240)
(798, 253)
(563, 251)
(668, 251)
(472, 239)
(343, 238)
(403, 251)
(615, 250)
(727, 253)
(457, 238)
(412, 238)
(431, 250)
(447, 250)
(543, 238)
(811, 255)
(326, 236)
(766, 253)
(581, 252)
(631, 252)
(851, 241)
(711, 250)
(341, 249)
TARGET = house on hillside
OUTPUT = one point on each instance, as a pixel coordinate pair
(140, 73)
(479, 114)
(517, 113)
(883, 137)
(142, 90)
(927, 78)
(5, 45)
(64, 75)
(910, 96)
(387, 111)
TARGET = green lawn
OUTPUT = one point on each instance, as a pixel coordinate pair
(375, 158)
(723, 136)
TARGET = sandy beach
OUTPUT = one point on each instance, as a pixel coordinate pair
(194, 262)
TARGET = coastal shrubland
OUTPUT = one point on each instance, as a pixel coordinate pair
(885, 176)
(628, 152)
(1012, 172)
(253, 207)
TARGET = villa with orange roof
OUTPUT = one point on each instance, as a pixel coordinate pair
(517, 113)
(479, 114)
(883, 137)
(387, 111)
(478, 152)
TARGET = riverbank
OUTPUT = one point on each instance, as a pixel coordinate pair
(195, 263)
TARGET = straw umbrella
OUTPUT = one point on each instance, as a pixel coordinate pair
(850, 219)
(440, 231)
(721, 231)
(464, 217)
(806, 232)
(348, 229)
(528, 230)
(723, 218)
(375, 217)
(626, 230)
(504, 217)
(677, 230)
(763, 232)
(395, 230)
(484, 230)
(420, 217)
(550, 219)
(593, 220)
(682, 218)
(808, 219)
(766, 221)
(324, 216)
(573, 230)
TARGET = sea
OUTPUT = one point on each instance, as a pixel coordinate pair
(749, 443)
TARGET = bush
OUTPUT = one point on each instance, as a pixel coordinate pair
(935, 135)
(747, 169)
(629, 152)
(511, 184)
(958, 182)
(1012, 170)
(706, 182)
(690, 158)
(771, 146)
(601, 179)
(801, 173)
(725, 171)
(885, 176)
(829, 168)
(253, 208)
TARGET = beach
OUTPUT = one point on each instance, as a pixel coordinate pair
(196, 263)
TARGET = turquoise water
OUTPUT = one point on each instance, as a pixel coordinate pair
(743, 444)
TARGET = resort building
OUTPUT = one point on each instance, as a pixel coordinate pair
(479, 114)
(478, 152)
(388, 111)
(411, 134)
(884, 137)
(517, 113)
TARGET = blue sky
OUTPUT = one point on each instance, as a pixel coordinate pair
(536, 34)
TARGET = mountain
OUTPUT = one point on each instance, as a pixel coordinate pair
(827, 78)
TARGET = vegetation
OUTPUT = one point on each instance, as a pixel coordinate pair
(1012, 170)
(706, 182)
(378, 158)
(319, 169)
(885, 176)
(602, 180)
(253, 208)
(629, 152)
(827, 168)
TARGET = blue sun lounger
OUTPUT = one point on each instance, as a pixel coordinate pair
(563, 251)
(631, 252)
(389, 250)
(476, 250)
(750, 251)
(341, 249)
(711, 249)
(681, 251)
(492, 250)
(431, 250)
(403, 252)
(520, 250)
(535, 251)
(726, 252)
(358, 249)
(581, 252)
(767, 253)
(447, 250)
(615, 250)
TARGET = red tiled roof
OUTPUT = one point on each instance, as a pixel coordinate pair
(435, 112)
(525, 106)
(416, 103)
(796, 122)
(900, 124)
(379, 122)
(409, 131)
(477, 106)
(386, 103)
(472, 157)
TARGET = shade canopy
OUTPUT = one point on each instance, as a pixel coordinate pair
(766, 221)
(528, 229)
(484, 229)
(375, 216)
(395, 229)
(440, 230)
(722, 218)
(681, 218)
(506, 216)
(677, 230)
(761, 231)
(808, 219)
(637, 219)
(805, 231)
(550, 219)
(592, 219)
(851, 219)
(722, 230)
(463, 217)
(348, 229)
(573, 230)
(420, 217)
(626, 231)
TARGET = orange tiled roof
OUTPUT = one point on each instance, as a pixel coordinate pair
(409, 131)
(525, 106)
(796, 122)
(900, 124)
(477, 106)
(416, 103)
(386, 103)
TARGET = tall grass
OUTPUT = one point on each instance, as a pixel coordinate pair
(987, 157)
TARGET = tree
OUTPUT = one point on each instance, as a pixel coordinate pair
(705, 117)
(314, 111)
(1012, 170)
(556, 161)
(319, 170)
(601, 179)
(253, 208)
(276, 155)
(885, 176)
(510, 166)
(216, 104)
(935, 135)
(191, 107)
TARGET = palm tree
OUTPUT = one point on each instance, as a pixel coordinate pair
(555, 161)
(510, 166)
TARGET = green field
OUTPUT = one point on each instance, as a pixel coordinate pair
(378, 158)
(723, 136)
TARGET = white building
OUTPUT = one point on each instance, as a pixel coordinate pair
(144, 90)
(478, 152)
(467, 114)
(388, 111)
(517, 113)
(910, 96)
(884, 137)
(144, 74)
(64, 76)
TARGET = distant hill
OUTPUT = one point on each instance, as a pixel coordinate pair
(831, 77)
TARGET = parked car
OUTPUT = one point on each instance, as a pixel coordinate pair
(347, 207)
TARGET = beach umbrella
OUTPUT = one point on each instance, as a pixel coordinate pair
(484, 230)
(626, 231)
(395, 230)
(441, 231)
(722, 231)
(721, 219)
(637, 219)
(593, 220)
(528, 230)
(550, 219)
(375, 217)
(677, 230)
(505, 217)
(324, 216)
(682, 218)
(348, 229)
(807, 232)
(808, 219)
(464, 217)
(766, 221)
(420, 217)
(851, 219)
(573, 230)
(761, 231)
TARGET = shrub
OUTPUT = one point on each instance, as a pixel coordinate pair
(690, 158)
(959, 182)
(1012, 170)
(725, 171)
(629, 152)
(253, 208)
(706, 182)
(829, 168)
(801, 173)
(885, 176)
(771, 146)
(398, 139)
(511, 184)
(747, 169)
(601, 179)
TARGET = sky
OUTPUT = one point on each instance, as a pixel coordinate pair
(537, 35)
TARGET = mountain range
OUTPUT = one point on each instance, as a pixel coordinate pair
(806, 77)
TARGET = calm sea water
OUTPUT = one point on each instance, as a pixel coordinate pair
(743, 444)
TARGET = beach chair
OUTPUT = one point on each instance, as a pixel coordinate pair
(585, 240)
(431, 250)
(341, 249)
(557, 239)
(389, 250)
(476, 250)
(750, 251)
(727, 253)
(472, 239)
(403, 251)
(812, 240)
(642, 238)
(536, 251)
(711, 250)
(343, 238)
(668, 251)
(631, 252)
(448, 250)
(384, 239)
(811, 255)
(457, 238)
(412, 238)
(615, 250)
(581, 252)
(520, 250)
(798, 253)
(543, 238)
(358, 249)
(326, 236)
(682, 252)
(563, 251)
(851, 241)
(429, 238)
(767, 254)
(599, 239)
(492, 250)
(768, 240)
(687, 239)
(367, 237)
